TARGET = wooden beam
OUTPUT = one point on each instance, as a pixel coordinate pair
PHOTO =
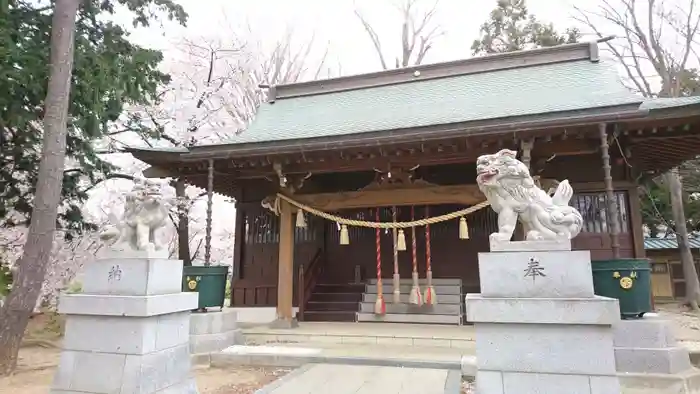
(461, 194)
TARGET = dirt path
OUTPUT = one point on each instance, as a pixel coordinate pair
(209, 380)
(37, 365)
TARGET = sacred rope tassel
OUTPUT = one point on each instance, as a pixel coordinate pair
(430, 296)
(401, 243)
(415, 297)
(463, 228)
(397, 277)
(344, 237)
(379, 305)
(301, 223)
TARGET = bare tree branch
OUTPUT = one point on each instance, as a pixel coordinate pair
(418, 33)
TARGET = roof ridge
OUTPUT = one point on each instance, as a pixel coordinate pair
(488, 63)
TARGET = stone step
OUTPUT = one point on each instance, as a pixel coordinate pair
(406, 288)
(442, 298)
(409, 318)
(315, 334)
(336, 297)
(288, 355)
(332, 306)
(339, 288)
(438, 309)
(421, 281)
(330, 316)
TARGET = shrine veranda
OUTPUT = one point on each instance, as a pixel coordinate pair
(401, 145)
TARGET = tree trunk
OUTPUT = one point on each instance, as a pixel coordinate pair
(183, 226)
(33, 265)
(692, 285)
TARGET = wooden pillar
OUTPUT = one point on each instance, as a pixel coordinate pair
(285, 279)
(611, 201)
(635, 215)
(526, 149)
(210, 206)
(238, 247)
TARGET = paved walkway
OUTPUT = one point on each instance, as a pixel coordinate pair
(355, 379)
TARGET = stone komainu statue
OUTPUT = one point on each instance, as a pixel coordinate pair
(145, 211)
(513, 194)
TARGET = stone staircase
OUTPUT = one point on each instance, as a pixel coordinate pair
(334, 302)
(448, 310)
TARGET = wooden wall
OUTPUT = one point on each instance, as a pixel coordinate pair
(451, 257)
(255, 264)
(256, 279)
(666, 265)
(255, 272)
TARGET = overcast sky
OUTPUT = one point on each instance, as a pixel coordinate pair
(334, 22)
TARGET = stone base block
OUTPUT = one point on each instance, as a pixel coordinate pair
(536, 274)
(210, 343)
(687, 382)
(496, 382)
(530, 246)
(649, 333)
(129, 254)
(129, 306)
(137, 335)
(214, 331)
(285, 323)
(638, 360)
(545, 348)
(165, 371)
(597, 310)
(213, 322)
(133, 277)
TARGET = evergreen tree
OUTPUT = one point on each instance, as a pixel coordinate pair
(109, 73)
(512, 28)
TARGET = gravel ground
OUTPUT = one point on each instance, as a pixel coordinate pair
(686, 324)
(257, 378)
(209, 380)
(468, 387)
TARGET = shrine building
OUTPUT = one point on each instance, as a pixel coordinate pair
(325, 159)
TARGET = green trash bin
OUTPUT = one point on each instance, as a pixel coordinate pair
(628, 280)
(208, 281)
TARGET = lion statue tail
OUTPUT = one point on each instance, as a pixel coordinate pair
(563, 194)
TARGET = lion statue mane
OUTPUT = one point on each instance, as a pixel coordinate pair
(513, 195)
(145, 211)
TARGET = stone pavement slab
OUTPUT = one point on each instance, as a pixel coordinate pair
(355, 379)
(294, 355)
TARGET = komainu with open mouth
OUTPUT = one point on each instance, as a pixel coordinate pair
(513, 194)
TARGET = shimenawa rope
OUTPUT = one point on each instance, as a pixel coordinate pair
(385, 225)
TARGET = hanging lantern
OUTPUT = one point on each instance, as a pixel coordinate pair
(463, 228)
(401, 242)
(301, 222)
(344, 237)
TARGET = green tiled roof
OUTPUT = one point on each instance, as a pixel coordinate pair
(661, 103)
(668, 243)
(566, 86)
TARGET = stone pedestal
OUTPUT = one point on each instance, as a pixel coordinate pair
(128, 332)
(539, 327)
(213, 331)
(649, 358)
